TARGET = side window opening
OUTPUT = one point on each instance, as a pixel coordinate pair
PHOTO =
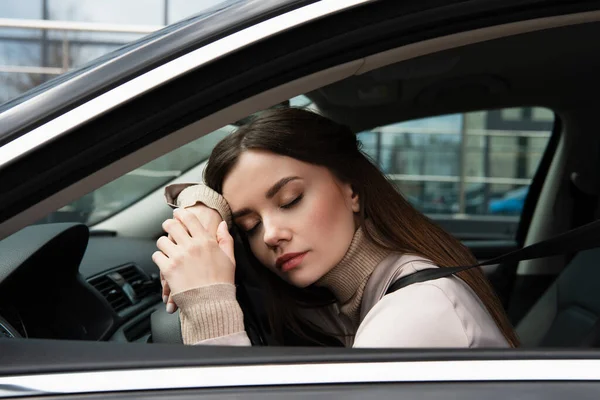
(470, 166)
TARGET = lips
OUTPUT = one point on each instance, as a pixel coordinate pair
(289, 261)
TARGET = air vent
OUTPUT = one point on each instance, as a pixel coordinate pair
(111, 292)
(139, 281)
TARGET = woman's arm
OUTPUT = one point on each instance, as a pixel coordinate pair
(211, 315)
(209, 311)
(188, 195)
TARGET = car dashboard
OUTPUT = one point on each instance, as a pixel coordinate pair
(59, 282)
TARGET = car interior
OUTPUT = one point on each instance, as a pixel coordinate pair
(68, 280)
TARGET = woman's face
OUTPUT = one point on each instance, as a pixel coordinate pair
(299, 217)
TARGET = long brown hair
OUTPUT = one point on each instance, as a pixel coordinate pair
(396, 224)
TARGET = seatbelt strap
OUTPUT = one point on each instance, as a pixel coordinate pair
(582, 238)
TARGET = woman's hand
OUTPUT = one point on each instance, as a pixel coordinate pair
(210, 220)
(191, 256)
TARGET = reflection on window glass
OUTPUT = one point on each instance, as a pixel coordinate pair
(424, 159)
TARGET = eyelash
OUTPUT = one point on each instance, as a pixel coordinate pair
(287, 206)
(293, 202)
(252, 231)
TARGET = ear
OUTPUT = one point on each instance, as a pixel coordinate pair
(355, 202)
(352, 195)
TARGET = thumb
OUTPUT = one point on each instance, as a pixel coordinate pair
(225, 241)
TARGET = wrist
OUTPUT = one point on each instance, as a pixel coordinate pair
(192, 195)
(208, 312)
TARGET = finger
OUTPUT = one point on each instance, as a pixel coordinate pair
(208, 217)
(162, 286)
(176, 230)
(225, 241)
(190, 222)
(161, 260)
(166, 292)
(166, 246)
(211, 224)
(171, 306)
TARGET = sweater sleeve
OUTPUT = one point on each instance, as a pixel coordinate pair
(189, 194)
(420, 315)
(211, 315)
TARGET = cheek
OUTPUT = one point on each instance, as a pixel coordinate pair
(328, 214)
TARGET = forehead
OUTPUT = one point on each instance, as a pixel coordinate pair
(257, 170)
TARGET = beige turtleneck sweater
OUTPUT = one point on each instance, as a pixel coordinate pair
(441, 313)
(348, 279)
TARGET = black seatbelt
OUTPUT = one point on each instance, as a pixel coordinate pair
(582, 238)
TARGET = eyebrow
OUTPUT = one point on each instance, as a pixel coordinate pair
(280, 184)
(241, 213)
(269, 195)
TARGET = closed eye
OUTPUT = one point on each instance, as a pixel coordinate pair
(293, 202)
(289, 205)
(252, 230)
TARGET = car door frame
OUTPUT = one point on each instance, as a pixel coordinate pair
(246, 372)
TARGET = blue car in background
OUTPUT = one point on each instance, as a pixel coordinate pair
(511, 203)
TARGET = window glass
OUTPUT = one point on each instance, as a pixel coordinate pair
(512, 114)
(180, 9)
(130, 12)
(543, 114)
(35, 59)
(135, 185)
(31, 9)
(472, 164)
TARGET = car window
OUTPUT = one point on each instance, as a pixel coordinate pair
(135, 185)
(130, 188)
(88, 46)
(475, 165)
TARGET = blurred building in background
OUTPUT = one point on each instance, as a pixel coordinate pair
(476, 163)
(40, 39)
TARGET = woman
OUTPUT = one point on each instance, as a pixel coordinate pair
(330, 234)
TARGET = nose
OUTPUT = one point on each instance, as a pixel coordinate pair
(275, 232)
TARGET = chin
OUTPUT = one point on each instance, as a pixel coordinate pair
(299, 282)
(301, 278)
